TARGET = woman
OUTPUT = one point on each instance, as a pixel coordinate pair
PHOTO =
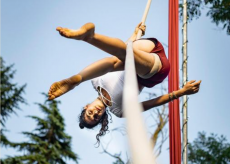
(107, 75)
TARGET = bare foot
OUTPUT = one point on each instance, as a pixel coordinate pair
(84, 33)
(59, 88)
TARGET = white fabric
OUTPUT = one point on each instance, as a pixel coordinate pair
(113, 83)
(154, 69)
(139, 144)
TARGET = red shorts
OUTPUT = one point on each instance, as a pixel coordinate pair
(164, 71)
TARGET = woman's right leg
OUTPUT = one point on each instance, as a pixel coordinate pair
(95, 69)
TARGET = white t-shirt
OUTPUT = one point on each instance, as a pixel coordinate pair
(113, 83)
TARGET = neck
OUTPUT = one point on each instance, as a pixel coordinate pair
(105, 102)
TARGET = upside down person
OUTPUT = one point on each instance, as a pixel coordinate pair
(107, 75)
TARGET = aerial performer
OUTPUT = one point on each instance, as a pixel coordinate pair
(107, 75)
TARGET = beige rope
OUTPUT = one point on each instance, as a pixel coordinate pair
(144, 17)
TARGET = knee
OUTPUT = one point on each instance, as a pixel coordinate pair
(143, 45)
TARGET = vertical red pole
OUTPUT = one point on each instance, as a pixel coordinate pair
(173, 84)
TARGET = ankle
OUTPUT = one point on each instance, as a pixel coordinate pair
(90, 31)
(89, 39)
(75, 80)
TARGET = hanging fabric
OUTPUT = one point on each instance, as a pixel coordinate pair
(173, 84)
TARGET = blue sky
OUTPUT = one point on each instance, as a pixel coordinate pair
(41, 57)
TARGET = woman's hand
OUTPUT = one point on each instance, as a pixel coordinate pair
(191, 87)
(134, 35)
(141, 27)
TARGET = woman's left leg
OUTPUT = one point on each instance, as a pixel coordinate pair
(114, 46)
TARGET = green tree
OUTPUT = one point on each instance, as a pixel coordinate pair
(48, 143)
(11, 97)
(209, 150)
(218, 11)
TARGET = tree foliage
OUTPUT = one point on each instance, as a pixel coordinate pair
(11, 97)
(48, 143)
(209, 150)
(218, 11)
(11, 93)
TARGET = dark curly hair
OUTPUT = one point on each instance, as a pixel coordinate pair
(104, 121)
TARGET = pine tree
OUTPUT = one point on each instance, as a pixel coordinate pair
(11, 97)
(48, 144)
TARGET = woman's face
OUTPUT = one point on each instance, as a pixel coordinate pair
(94, 111)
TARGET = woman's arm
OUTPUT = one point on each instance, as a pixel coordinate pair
(190, 88)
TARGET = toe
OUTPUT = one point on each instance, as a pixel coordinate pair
(62, 33)
(58, 28)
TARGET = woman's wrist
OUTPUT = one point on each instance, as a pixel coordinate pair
(134, 35)
(179, 92)
(175, 94)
